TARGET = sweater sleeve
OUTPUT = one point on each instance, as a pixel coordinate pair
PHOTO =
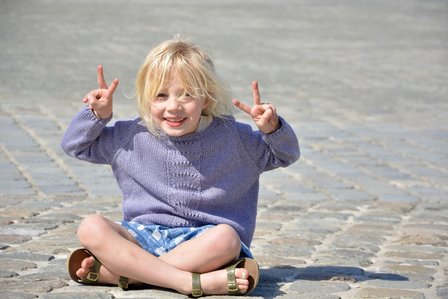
(274, 150)
(87, 138)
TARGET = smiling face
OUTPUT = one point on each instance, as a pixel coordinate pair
(176, 112)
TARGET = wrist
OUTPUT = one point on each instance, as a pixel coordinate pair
(99, 115)
(273, 127)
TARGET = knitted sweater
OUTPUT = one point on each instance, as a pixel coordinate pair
(208, 177)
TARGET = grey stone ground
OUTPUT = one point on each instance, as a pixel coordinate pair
(363, 214)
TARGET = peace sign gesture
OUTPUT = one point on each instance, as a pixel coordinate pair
(100, 100)
(264, 114)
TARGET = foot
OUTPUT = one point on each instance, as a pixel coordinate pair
(212, 283)
(215, 283)
(105, 276)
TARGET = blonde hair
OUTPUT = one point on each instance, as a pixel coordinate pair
(196, 71)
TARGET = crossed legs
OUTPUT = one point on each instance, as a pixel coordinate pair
(120, 254)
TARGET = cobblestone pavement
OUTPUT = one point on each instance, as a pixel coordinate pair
(363, 214)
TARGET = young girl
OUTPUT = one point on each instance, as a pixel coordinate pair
(189, 174)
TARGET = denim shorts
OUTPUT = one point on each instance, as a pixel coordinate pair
(158, 239)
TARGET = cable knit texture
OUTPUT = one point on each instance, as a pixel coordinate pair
(209, 177)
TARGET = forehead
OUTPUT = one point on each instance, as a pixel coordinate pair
(174, 81)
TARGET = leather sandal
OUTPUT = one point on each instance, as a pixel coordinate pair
(232, 286)
(74, 263)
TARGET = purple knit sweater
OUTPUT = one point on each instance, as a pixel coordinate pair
(209, 177)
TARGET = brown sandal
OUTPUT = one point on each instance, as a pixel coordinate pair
(232, 287)
(74, 263)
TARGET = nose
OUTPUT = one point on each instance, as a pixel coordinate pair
(173, 104)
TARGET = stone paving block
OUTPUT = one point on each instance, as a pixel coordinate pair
(377, 293)
(16, 265)
(347, 257)
(318, 287)
(421, 238)
(398, 198)
(267, 260)
(399, 285)
(414, 255)
(150, 293)
(308, 296)
(21, 229)
(7, 273)
(31, 285)
(27, 256)
(13, 213)
(365, 243)
(285, 251)
(410, 270)
(379, 218)
(351, 195)
(13, 239)
(442, 291)
(18, 295)
(76, 296)
(38, 205)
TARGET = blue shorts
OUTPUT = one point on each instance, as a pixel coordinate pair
(158, 239)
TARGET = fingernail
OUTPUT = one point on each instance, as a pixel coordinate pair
(243, 275)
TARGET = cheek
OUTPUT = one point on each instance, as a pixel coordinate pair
(155, 113)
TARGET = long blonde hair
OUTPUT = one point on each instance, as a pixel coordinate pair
(196, 71)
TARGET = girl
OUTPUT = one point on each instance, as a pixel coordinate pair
(189, 174)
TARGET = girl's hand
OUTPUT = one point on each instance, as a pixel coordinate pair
(264, 114)
(100, 100)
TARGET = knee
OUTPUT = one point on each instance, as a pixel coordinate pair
(226, 241)
(91, 230)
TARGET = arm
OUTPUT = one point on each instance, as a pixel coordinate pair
(82, 138)
(276, 144)
(283, 146)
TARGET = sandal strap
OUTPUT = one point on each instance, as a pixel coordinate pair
(94, 273)
(197, 289)
(232, 285)
(123, 282)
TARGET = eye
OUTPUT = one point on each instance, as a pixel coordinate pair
(161, 97)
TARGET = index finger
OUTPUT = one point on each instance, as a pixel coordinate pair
(242, 106)
(113, 86)
(256, 93)
(100, 76)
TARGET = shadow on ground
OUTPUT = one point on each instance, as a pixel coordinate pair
(273, 278)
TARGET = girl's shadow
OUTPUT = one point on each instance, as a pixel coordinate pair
(273, 278)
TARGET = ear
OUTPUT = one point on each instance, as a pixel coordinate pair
(206, 107)
(206, 103)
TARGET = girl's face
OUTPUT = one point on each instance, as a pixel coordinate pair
(174, 111)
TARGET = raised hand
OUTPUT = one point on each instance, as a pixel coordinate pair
(264, 114)
(100, 100)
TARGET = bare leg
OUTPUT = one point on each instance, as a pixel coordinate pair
(214, 248)
(108, 240)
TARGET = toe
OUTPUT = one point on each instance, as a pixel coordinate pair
(81, 273)
(243, 285)
(242, 279)
(87, 263)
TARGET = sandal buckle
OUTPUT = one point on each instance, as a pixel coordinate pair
(123, 282)
(197, 289)
(92, 276)
(232, 286)
(196, 293)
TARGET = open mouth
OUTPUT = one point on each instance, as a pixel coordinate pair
(174, 122)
